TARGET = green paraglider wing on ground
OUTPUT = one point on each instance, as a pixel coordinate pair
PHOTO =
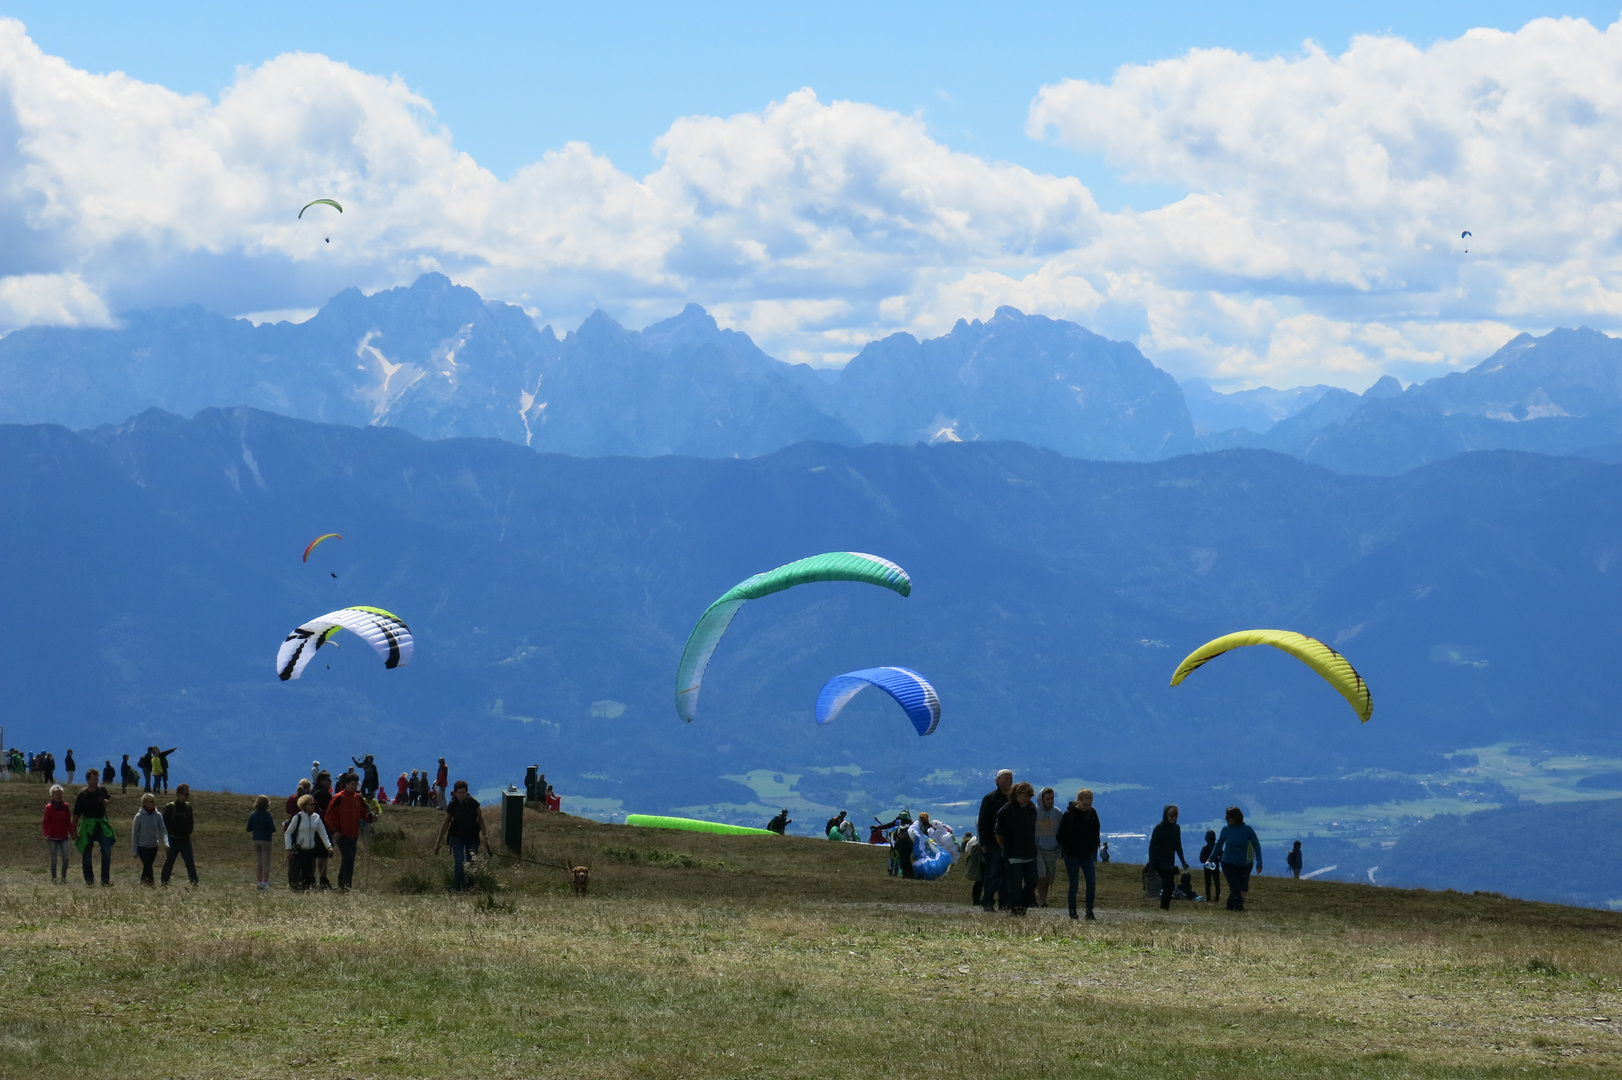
(1331, 665)
(833, 566)
(654, 821)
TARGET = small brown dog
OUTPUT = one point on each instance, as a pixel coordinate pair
(582, 879)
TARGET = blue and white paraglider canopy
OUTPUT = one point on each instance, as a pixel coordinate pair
(910, 690)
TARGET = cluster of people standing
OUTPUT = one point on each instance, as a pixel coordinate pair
(153, 766)
(320, 820)
(84, 824)
(1023, 836)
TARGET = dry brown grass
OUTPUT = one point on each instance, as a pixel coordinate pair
(767, 958)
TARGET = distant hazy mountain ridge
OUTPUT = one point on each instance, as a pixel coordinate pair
(440, 361)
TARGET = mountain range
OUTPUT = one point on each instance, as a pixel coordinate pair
(438, 360)
(156, 564)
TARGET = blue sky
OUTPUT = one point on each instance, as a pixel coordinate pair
(1287, 212)
(514, 80)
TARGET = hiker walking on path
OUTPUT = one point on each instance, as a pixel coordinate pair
(1078, 839)
(108, 773)
(177, 818)
(147, 834)
(91, 827)
(1213, 869)
(50, 767)
(344, 816)
(442, 779)
(991, 869)
(463, 827)
(1016, 836)
(1293, 859)
(1165, 852)
(57, 828)
(67, 763)
(306, 839)
(1048, 817)
(1237, 845)
(262, 827)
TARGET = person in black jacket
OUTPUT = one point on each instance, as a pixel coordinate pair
(177, 819)
(1078, 839)
(1213, 872)
(780, 823)
(369, 783)
(1293, 859)
(991, 869)
(1165, 852)
(1016, 837)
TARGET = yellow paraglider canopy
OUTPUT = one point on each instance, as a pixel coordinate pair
(1334, 668)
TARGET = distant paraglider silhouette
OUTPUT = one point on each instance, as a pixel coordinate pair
(1464, 234)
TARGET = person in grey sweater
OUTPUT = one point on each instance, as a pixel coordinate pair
(147, 834)
(1047, 844)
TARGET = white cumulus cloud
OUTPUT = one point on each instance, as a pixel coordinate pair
(1318, 242)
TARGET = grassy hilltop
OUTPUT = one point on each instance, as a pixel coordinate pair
(708, 956)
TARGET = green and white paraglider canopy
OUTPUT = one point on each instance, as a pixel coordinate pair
(384, 631)
(833, 566)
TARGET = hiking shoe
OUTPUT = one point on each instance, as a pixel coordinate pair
(1090, 917)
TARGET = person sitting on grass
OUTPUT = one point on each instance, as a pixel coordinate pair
(831, 830)
(262, 827)
(148, 833)
(464, 828)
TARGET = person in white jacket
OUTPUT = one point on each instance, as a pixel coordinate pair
(147, 834)
(306, 838)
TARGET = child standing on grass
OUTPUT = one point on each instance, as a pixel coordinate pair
(1213, 869)
(148, 832)
(262, 827)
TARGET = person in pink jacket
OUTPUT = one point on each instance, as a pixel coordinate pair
(57, 828)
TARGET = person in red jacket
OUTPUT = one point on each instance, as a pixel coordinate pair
(57, 828)
(401, 794)
(443, 780)
(343, 817)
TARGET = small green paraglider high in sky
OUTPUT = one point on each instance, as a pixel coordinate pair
(321, 202)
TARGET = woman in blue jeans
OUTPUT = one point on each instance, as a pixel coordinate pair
(1235, 848)
(1078, 838)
